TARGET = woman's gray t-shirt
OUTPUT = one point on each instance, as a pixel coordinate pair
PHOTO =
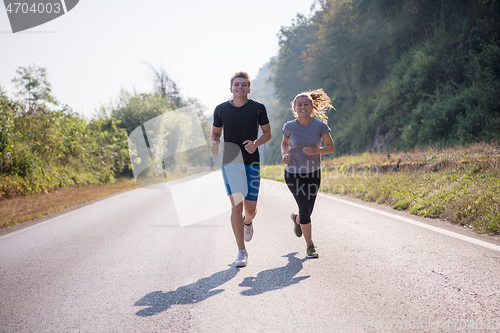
(301, 137)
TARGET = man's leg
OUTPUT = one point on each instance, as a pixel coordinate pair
(253, 185)
(250, 210)
(237, 219)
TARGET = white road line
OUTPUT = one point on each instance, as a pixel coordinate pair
(419, 224)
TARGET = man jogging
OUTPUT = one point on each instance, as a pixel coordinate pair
(240, 119)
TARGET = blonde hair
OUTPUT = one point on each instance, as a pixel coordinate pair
(320, 102)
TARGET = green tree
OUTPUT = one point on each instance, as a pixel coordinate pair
(134, 109)
(288, 68)
(7, 113)
(43, 149)
(33, 85)
(165, 86)
(400, 73)
(263, 91)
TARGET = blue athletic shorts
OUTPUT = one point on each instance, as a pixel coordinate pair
(242, 178)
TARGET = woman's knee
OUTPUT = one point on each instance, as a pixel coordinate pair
(305, 220)
(305, 215)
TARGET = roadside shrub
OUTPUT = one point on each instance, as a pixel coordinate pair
(42, 150)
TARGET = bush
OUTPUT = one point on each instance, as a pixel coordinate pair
(42, 150)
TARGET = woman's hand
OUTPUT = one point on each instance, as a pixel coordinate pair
(310, 151)
(286, 159)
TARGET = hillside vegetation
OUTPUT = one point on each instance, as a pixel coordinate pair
(45, 146)
(460, 186)
(42, 149)
(401, 73)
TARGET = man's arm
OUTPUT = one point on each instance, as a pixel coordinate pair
(251, 146)
(215, 139)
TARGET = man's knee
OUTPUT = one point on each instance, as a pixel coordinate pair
(237, 209)
(236, 199)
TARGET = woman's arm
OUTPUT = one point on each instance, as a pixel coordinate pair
(328, 149)
(285, 146)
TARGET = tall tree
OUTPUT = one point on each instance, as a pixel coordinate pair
(404, 73)
(33, 85)
(164, 85)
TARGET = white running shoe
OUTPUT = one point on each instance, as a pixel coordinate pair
(241, 259)
(248, 231)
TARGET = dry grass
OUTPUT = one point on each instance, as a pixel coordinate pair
(24, 208)
(430, 159)
(461, 186)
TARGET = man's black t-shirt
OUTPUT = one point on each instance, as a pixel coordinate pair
(240, 124)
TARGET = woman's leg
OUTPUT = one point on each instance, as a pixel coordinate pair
(313, 183)
(298, 185)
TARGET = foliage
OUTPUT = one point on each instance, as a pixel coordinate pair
(33, 85)
(7, 112)
(263, 91)
(24, 208)
(401, 74)
(134, 109)
(461, 186)
(165, 86)
(43, 149)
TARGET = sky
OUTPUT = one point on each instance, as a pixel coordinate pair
(101, 47)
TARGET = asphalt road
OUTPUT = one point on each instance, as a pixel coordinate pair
(123, 264)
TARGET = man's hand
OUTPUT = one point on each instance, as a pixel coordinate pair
(250, 146)
(214, 147)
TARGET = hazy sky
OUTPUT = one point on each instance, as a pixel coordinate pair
(99, 47)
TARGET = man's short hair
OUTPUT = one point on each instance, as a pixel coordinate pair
(242, 75)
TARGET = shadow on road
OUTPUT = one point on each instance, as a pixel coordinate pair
(275, 278)
(202, 289)
(268, 280)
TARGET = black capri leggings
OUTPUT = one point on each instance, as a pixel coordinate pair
(304, 188)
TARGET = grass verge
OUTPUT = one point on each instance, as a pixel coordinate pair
(457, 185)
(23, 208)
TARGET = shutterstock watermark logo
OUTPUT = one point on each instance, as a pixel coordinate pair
(170, 153)
(26, 14)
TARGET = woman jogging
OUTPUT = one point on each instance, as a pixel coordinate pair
(301, 149)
